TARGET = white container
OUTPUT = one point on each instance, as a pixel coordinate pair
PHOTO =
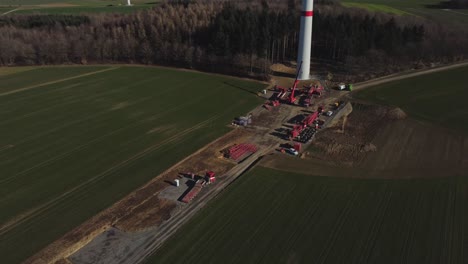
(177, 182)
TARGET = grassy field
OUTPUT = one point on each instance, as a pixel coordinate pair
(439, 97)
(412, 7)
(73, 140)
(73, 6)
(270, 216)
(377, 8)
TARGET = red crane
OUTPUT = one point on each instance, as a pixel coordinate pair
(293, 99)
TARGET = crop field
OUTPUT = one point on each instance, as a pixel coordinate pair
(74, 140)
(377, 8)
(72, 6)
(270, 216)
(439, 97)
(412, 7)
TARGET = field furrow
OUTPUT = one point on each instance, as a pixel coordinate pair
(74, 140)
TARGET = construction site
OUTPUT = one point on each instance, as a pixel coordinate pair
(308, 127)
(286, 124)
(305, 123)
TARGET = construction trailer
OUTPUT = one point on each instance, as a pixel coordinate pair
(193, 192)
(243, 120)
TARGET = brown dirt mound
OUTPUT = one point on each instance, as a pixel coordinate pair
(282, 68)
(396, 114)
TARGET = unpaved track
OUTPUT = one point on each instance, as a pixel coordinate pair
(57, 81)
(11, 11)
(401, 76)
(158, 236)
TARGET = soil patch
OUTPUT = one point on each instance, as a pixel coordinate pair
(378, 143)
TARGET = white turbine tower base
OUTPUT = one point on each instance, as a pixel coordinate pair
(129, 3)
(305, 39)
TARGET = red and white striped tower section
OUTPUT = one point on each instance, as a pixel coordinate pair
(305, 39)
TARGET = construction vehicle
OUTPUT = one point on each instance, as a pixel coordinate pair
(292, 98)
(343, 86)
(308, 121)
(338, 104)
(292, 151)
(210, 177)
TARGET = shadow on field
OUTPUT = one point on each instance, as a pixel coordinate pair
(240, 88)
(283, 74)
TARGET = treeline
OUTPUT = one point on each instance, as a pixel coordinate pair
(37, 21)
(242, 38)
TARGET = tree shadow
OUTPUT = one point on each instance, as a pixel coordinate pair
(283, 74)
(240, 88)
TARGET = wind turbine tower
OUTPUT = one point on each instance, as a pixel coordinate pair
(305, 39)
(129, 3)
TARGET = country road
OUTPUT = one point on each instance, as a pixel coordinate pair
(405, 75)
(115, 246)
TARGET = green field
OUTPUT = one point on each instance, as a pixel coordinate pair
(377, 8)
(412, 7)
(73, 6)
(73, 140)
(439, 97)
(269, 216)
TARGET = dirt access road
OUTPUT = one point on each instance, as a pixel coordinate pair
(405, 75)
(136, 248)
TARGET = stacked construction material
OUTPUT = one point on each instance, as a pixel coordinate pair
(239, 152)
(192, 193)
(297, 129)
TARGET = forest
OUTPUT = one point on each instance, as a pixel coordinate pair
(233, 37)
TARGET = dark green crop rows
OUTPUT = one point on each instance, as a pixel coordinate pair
(270, 216)
(439, 97)
(72, 144)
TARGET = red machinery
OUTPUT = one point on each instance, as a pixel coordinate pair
(310, 119)
(315, 89)
(297, 129)
(240, 151)
(293, 99)
(297, 147)
(281, 91)
(210, 177)
(192, 193)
